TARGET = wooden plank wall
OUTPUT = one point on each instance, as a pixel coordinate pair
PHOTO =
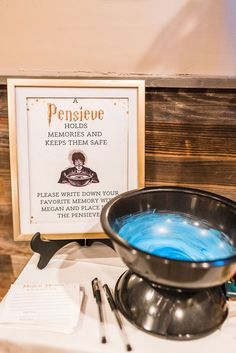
(190, 141)
(191, 138)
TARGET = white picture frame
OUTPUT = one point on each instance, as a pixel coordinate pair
(74, 144)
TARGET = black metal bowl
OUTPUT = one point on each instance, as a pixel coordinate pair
(218, 211)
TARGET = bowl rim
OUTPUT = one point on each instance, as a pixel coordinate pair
(121, 242)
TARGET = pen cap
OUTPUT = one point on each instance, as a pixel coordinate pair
(109, 297)
(96, 289)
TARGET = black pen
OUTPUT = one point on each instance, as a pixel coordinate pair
(117, 316)
(97, 296)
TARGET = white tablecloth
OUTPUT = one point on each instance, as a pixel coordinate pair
(73, 264)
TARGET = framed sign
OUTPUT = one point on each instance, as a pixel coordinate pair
(74, 145)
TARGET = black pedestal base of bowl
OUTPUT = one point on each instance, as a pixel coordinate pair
(170, 312)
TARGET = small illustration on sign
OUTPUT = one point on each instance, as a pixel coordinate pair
(78, 175)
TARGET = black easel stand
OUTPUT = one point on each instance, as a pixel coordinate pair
(47, 248)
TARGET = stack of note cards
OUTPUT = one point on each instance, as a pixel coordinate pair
(53, 307)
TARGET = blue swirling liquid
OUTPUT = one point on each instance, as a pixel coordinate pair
(174, 236)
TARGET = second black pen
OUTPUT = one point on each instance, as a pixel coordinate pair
(117, 316)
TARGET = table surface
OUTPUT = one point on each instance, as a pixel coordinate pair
(73, 264)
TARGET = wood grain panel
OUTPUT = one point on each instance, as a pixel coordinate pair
(10, 268)
(191, 138)
(7, 246)
(190, 141)
(3, 101)
(191, 171)
(6, 274)
(172, 139)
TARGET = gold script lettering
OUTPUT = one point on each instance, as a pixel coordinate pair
(73, 115)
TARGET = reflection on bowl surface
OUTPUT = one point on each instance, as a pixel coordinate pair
(174, 236)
